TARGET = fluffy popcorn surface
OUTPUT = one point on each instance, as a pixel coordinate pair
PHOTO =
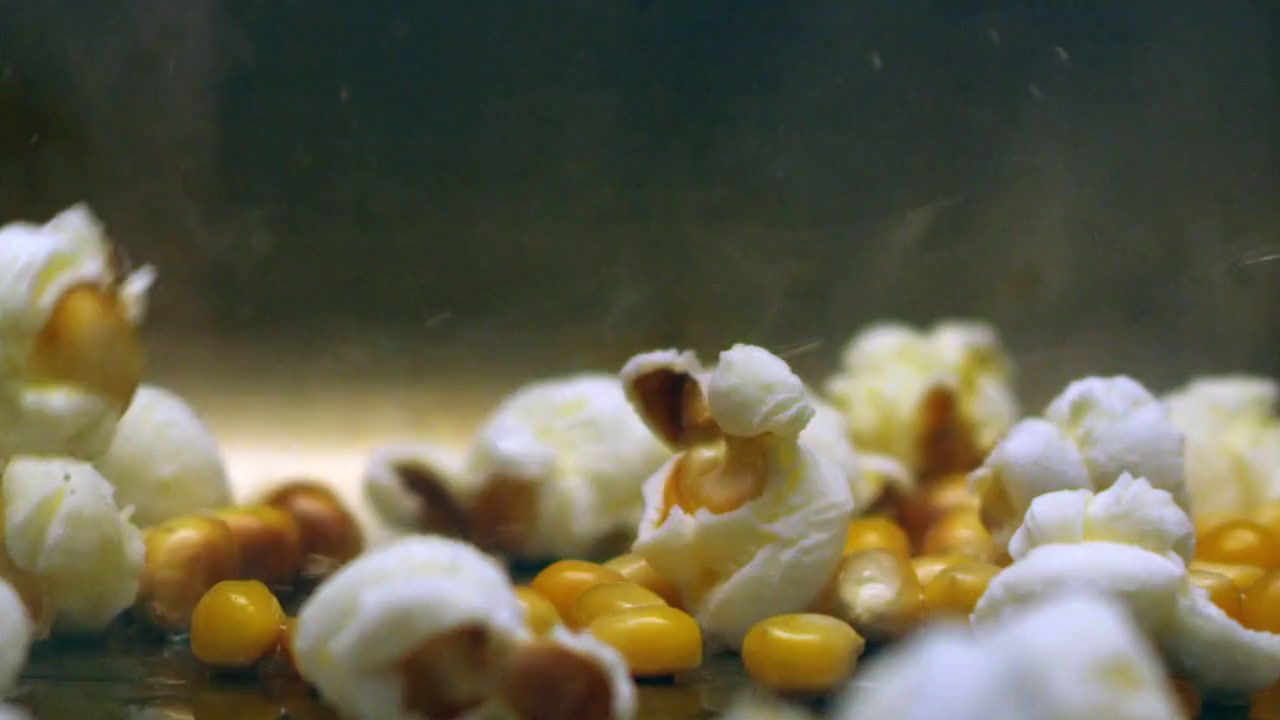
(360, 624)
(888, 370)
(38, 265)
(163, 461)
(1233, 441)
(16, 635)
(61, 523)
(752, 392)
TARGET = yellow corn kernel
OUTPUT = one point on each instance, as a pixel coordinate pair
(1209, 521)
(804, 652)
(607, 598)
(927, 567)
(1242, 576)
(236, 623)
(1260, 606)
(655, 641)
(1221, 590)
(638, 570)
(330, 535)
(1242, 542)
(563, 581)
(539, 614)
(955, 590)
(186, 556)
(960, 533)
(919, 510)
(876, 532)
(268, 541)
(1268, 516)
(876, 592)
(89, 341)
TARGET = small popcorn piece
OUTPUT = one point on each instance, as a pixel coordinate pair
(1095, 430)
(746, 522)
(62, 524)
(1071, 657)
(936, 401)
(16, 634)
(1233, 441)
(70, 357)
(163, 460)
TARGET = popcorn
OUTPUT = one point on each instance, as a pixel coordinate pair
(747, 522)
(61, 523)
(1131, 542)
(1076, 656)
(569, 676)
(16, 635)
(868, 474)
(936, 400)
(163, 461)
(70, 358)
(1096, 429)
(1233, 441)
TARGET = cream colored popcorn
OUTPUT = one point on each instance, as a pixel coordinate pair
(746, 523)
(163, 461)
(1131, 542)
(935, 400)
(1233, 441)
(1073, 657)
(61, 523)
(16, 635)
(70, 358)
(869, 474)
(1095, 430)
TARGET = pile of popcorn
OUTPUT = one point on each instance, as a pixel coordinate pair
(1116, 555)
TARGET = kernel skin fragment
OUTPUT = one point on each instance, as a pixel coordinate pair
(236, 623)
(801, 653)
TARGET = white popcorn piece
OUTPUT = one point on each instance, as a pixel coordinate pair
(745, 526)
(869, 474)
(61, 523)
(16, 634)
(1095, 430)
(898, 387)
(48, 405)
(163, 461)
(361, 626)
(1131, 542)
(1073, 657)
(392, 473)
(1233, 441)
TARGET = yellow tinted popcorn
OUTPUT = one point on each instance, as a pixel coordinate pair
(16, 634)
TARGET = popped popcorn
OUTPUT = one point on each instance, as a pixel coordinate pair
(16, 634)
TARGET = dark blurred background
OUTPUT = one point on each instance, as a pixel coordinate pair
(559, 184)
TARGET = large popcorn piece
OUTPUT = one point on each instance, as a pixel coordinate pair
(1096, 429)
(70, 358)
(555, 471)
(746, 521)
(16, 634)
(62, 525)
(163, 461)
(1132, 542)
(430, 627)
(1072, 657)
(936, 400)
(1233, 441)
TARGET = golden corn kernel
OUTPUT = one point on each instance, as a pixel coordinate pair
(1268, 516)
(562, 582)
(548, 681)
(803, 652)
(1242, 576)
(268, 540)
(638, 570)
(1240, 542)
(655, 641)
(960, 533)
(539, 614)
(919, 510)
(450, 674)
(877, 593)
(1209, 521)
(236, 623)
(330, 535)
(89, 341)
(1260, 605)
(955, 590)
(607, 598)
(186, 556)
(1221, 590)
(876, 532)
(927, 567)
(719, 476)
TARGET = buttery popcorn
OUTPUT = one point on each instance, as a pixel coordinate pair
(16, 634)
(1096, 429)
(70, 358)
(1233, 441)
(61, 523)
(1131, 542)
(936, 400)
(1072, 657)
(746, 521)
(163, 461)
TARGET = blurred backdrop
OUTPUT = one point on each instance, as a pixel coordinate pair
(374, 218)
